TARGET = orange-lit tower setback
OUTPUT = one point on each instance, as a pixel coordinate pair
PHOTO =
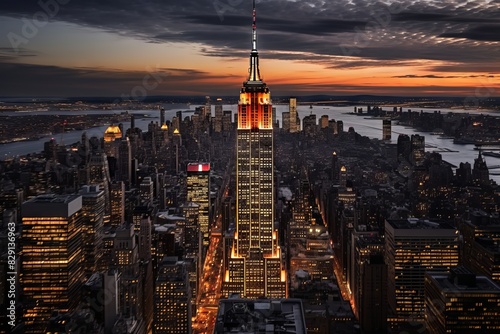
(255, 265)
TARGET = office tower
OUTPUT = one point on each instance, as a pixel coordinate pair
(117, 199)
(343, 177)
(332, 125)
(189, 236)
(219, 113)
(480, 173)
(126, 259)
(373, 295)
(124, 161)
(172, 300)
(237, 315)
(464, 174)
(323, 121)
(413, 247)
(206, 111)
(462, 303)
(151, 140)
(11, 199)
(146, 191)
(162, 115)
(99, 174)
(255, 264)
(112, 136)
(417, 149)
(285, 119)
(164, 133)
(335, 168)
(292, 109)
(93, 204)
(145, 239)
(198, 191)
(84, 148)
(132, 122)
(404, 147)
(309, 125)
(276, 124)
(190, 211)
(480, 252)
(51, 262)
(340, 127)
(164, 244)
(177, 142)
(50, 149)
(227, 125)
(386, 129)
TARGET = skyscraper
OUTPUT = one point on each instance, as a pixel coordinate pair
(417, 149)
(51, 261)
(172, 298)
(386, 129)
(461, 302)
(255, 264)
(413, 247)
(198, 191)
(117, 199)
(93, 203)
(293, 114)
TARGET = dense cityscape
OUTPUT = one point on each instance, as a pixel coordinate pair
(249, 214)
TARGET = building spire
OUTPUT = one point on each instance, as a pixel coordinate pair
(254, 28)
(254, 74)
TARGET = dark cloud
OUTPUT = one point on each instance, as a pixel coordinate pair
(481, 33)
(316, 27)
(462, 35)
(8, 54)
(433, 17)
(433, 76)
(54, 80)
(425, 17)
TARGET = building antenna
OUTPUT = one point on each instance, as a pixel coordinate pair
(254, 73)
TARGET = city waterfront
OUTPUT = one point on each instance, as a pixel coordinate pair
(366, 126)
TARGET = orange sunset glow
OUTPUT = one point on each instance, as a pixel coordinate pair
(414, 48)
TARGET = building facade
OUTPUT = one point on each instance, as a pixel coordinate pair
(413, 247)
(293, 115)
(198, 191)
(255, 263)
(51, 262)
(172, 298)
(461, 302)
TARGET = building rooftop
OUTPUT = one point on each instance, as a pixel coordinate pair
(461, 279)
(236, 315)
(417, 224)
(50, 205)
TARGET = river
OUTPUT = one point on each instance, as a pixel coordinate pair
(371, 128)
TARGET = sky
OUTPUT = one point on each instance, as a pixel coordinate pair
(137, 48)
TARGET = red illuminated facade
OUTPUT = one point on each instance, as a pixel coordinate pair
(198, 167)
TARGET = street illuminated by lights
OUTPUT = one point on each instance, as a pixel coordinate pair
(210, 284)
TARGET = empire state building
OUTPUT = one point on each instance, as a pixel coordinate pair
(255, 263)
